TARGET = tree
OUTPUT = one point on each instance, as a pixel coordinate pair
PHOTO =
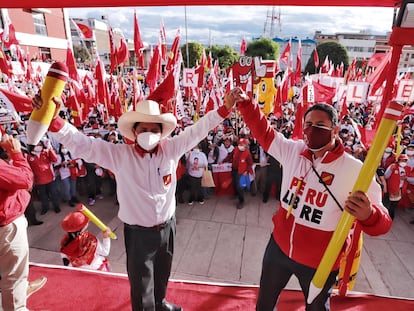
(81, 53)
(264, 48)
(225, 55)
(336, 53)
(195, 51)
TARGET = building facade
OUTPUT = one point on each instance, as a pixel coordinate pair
(42, 33)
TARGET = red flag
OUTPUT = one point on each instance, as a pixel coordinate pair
(210, 61)
(72, 103)
(138, 44)
(376, 59)
(298, 128)
(322, 93)
(29, 69)
(5, 64)
(153, 73)
(8, 36)
(112, 50)
(350, 73)
(377, 78)
(325, 65)
(21, 103)
(87, 32)
(163, 39)
(174, 52)
(284, 57)
(71, 64)
(20, 57)
(243, 47)
(122, 54)
(298, 74)
(102, 84)
(165, 92)
(316, 59)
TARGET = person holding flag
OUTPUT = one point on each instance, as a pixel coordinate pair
(318, 176)
(145, 171)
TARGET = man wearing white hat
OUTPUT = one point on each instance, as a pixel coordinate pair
(146, 180)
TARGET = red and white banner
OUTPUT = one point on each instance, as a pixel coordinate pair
(190, 77)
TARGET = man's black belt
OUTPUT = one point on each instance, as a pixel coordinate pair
(158, 227)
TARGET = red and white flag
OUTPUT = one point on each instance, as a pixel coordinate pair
(138, 44)
(243, 47)
(316, 59)
(284, 56)
(163, 39)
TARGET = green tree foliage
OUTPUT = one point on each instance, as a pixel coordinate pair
(336, 54)
(81, 54)
(195, 51)
(226, 55)
(264, 48)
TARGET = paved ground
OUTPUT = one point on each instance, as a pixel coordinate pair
(218, 243)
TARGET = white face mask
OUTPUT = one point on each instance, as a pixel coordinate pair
(402, 164)
(37, 148)
(148, 140)
(410, 152)
(64, 151)
(241, 148)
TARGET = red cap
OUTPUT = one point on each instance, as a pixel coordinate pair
(74, 222)
(58, 70)
(243, 142)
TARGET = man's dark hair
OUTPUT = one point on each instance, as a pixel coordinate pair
(330, 110)
(137, 123)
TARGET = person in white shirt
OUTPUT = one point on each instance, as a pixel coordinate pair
(196, 164)
(145, 171)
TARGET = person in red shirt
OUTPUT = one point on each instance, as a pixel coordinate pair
(40, 160)
(242, 167)
(16, 179)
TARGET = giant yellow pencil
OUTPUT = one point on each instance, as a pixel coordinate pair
(391, 115)
(40, 118)
(87, 212)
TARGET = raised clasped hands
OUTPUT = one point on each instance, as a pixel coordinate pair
(233, 96)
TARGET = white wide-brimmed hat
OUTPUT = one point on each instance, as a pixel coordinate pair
(147, 111)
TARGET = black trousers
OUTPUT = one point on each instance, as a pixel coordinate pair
(149, 257)
(276, 271)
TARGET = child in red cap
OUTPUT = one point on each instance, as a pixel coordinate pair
(80, 248)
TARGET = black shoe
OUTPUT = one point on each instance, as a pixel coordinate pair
(43, 211)
(71, 203)
(265, 199)
(412, 222)
(57, 210)
(240, 205)
(35, 223)
(167, 306)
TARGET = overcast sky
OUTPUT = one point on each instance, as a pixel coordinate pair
(229, 24)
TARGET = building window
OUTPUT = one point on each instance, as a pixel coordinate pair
(40, 24)
(45, 54)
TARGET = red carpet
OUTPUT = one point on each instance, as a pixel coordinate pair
(80, 290)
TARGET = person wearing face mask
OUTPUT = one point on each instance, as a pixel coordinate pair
(145, 171)
(318, 178)
(396, 175)
(242, 167)
(196, 164)
(41, 161)
(68, 175)
(388, 157)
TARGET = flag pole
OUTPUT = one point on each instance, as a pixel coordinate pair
(186, 38)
